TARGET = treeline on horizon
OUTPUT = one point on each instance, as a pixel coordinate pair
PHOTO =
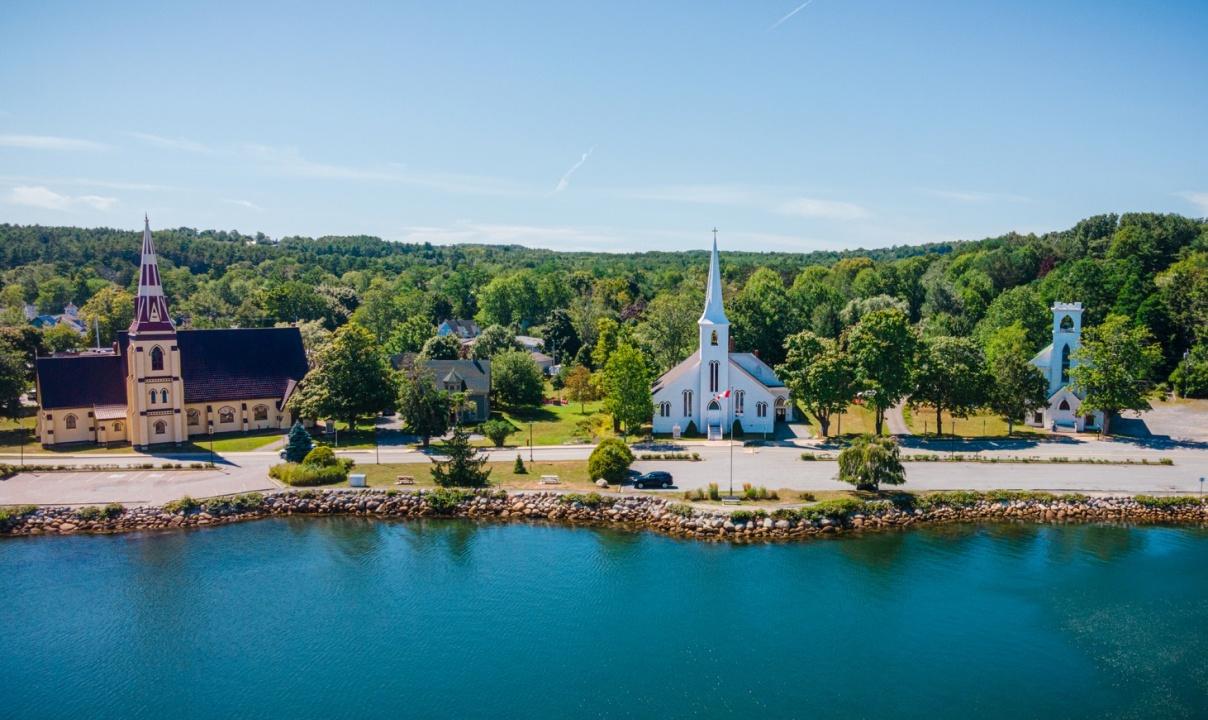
(1150, 268)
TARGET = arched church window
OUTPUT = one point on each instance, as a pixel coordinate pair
(1065, 405)
(260, 412)
(713, 338)
(163, 396)
(1065, 363)
(157, 358)
(160, 427)
(69, 422)
(664, 409)
(1067, 323)
(226, 415)
(761, 409)
(193, 418)
(713, 373)
(117, 427)
(687, 403)
(151, 393)
(740, 399)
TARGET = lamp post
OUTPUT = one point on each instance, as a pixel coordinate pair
(530, 442)
(210, 432)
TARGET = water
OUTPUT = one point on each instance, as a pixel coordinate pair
(340, 617)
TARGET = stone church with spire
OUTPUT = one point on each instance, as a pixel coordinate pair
(160, 385)
(715, 386)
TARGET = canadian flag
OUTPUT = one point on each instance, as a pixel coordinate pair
(722, 395)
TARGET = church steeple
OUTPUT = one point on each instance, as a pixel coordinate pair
(151, 307)
(715, 312)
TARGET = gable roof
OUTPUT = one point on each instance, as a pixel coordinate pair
(81, 380)
(690, 362)
(756, 368)
(1044, 358)
(240, 364)
(474, 375)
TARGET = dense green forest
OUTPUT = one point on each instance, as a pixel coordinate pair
(1149, 268)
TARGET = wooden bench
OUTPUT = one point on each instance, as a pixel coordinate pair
(729, 500)
(404, 480)
(550, 480)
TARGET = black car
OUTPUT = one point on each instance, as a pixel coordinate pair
(657, 478)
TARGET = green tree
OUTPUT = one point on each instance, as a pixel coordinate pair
(610, 461)
(351, 379)
(819, 376)
(561, 340)
(518, 467)
(492, 341)
(870, 462)
(293, 301)
(607, 337)
(1020, 305)
(442, 347)
(14, 379)
(626, 384)
(516, 380)
(463, 466)
(61, 338)
(883, 348)
(950, 375)
(581, 387)
(760, 317)
(424, 408)
(497, 431)
(1018, 388)
(668, 330)
(298, 444)
(1115, 367)
(410, 336)
(111, 308)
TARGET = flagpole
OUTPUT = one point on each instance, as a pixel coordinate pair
(729, 393)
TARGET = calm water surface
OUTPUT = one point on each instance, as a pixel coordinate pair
(323, 618)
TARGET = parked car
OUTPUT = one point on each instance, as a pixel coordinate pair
(656, 478)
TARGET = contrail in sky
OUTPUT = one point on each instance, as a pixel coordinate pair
(796, 10)
(566, 178)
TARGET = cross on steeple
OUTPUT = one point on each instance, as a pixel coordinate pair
(715, 233)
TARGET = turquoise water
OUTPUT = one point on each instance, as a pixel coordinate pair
(341, 617)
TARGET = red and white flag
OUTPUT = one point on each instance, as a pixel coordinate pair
(722, 395)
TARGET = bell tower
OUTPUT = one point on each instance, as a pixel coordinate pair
(714, 352)
(154, 390)
(1067, 338)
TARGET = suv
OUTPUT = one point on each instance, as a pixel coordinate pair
(658, 478)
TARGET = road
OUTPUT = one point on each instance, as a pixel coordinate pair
(774, 467)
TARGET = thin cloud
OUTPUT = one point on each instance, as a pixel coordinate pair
(793, 12)
(772, 199)
(565, 181)
(825, 209)
(699, 194)
(43, 197)
(244, 203)
(973, 196)
(1198, 199)
(49, 142)
(83, 182)
(168, 143)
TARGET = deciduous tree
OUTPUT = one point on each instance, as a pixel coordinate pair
(1115, 367)
(516, 380)
(626, 384)
(883, 348)
(950, 375)
(819, 376)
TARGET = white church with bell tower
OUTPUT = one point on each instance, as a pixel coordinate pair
(715, 388)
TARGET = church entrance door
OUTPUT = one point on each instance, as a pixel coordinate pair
(713, 420)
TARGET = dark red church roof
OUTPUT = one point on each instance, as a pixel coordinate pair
(81, 380)
(240, 364)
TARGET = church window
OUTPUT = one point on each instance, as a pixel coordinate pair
(687, 403)
(226, 415)
(664, 409)
(69, 422)
(161, 427)
(1067, 324)
(713, 338)
(1065, 363)
(117, 427)
(194, 418)
(1065, 405)
(163, 396)
(713, 373)
(761, 409)
(1038, 418)
(151, 393)
(157, 358)
(260, 412)
(740, 398)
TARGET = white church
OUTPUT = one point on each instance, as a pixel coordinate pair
(1055, 361)
(715, 386)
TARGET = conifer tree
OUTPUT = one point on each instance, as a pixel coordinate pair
(299, 444)
(463, 466)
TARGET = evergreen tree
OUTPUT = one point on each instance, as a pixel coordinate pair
(298, 444)
(518, 467)
(463, 466)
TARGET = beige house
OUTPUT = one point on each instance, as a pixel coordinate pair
(159, 385)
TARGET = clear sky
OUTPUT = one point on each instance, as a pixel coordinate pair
(607, 125)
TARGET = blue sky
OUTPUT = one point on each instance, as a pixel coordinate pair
(607, 125)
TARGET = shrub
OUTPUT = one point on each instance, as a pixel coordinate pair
(15, 512)
(758, 493)
(742, 516)
(837, 508)
(680, 509)
(591, 500)
(299, 443)
(870, 462)
(91, 512)
(322, 456)
(951, 498)
(714, 492)
(518, 467)
(808, 456)
(807, 497)
(691, 430)
(696, 456)
(183, 506)
(1167, 502)
(497, 431)
(610, 460)
(696, 494)
(784, 514)
(444, 500)
(112, 510)
(306, 475)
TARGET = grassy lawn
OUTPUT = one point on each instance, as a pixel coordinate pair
(11, 432)
(983, 425)
(233, 442)
(856, 420)
(572, 473)
(555, 424)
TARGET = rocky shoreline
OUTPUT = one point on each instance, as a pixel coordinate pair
(631, 512)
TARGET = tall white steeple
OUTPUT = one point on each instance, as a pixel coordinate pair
(715, 312)
(713, 414)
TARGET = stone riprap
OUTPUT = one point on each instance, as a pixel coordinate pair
(631, 512)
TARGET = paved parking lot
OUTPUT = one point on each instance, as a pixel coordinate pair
(129, 487)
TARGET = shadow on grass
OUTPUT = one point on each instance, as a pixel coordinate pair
(529, 414)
